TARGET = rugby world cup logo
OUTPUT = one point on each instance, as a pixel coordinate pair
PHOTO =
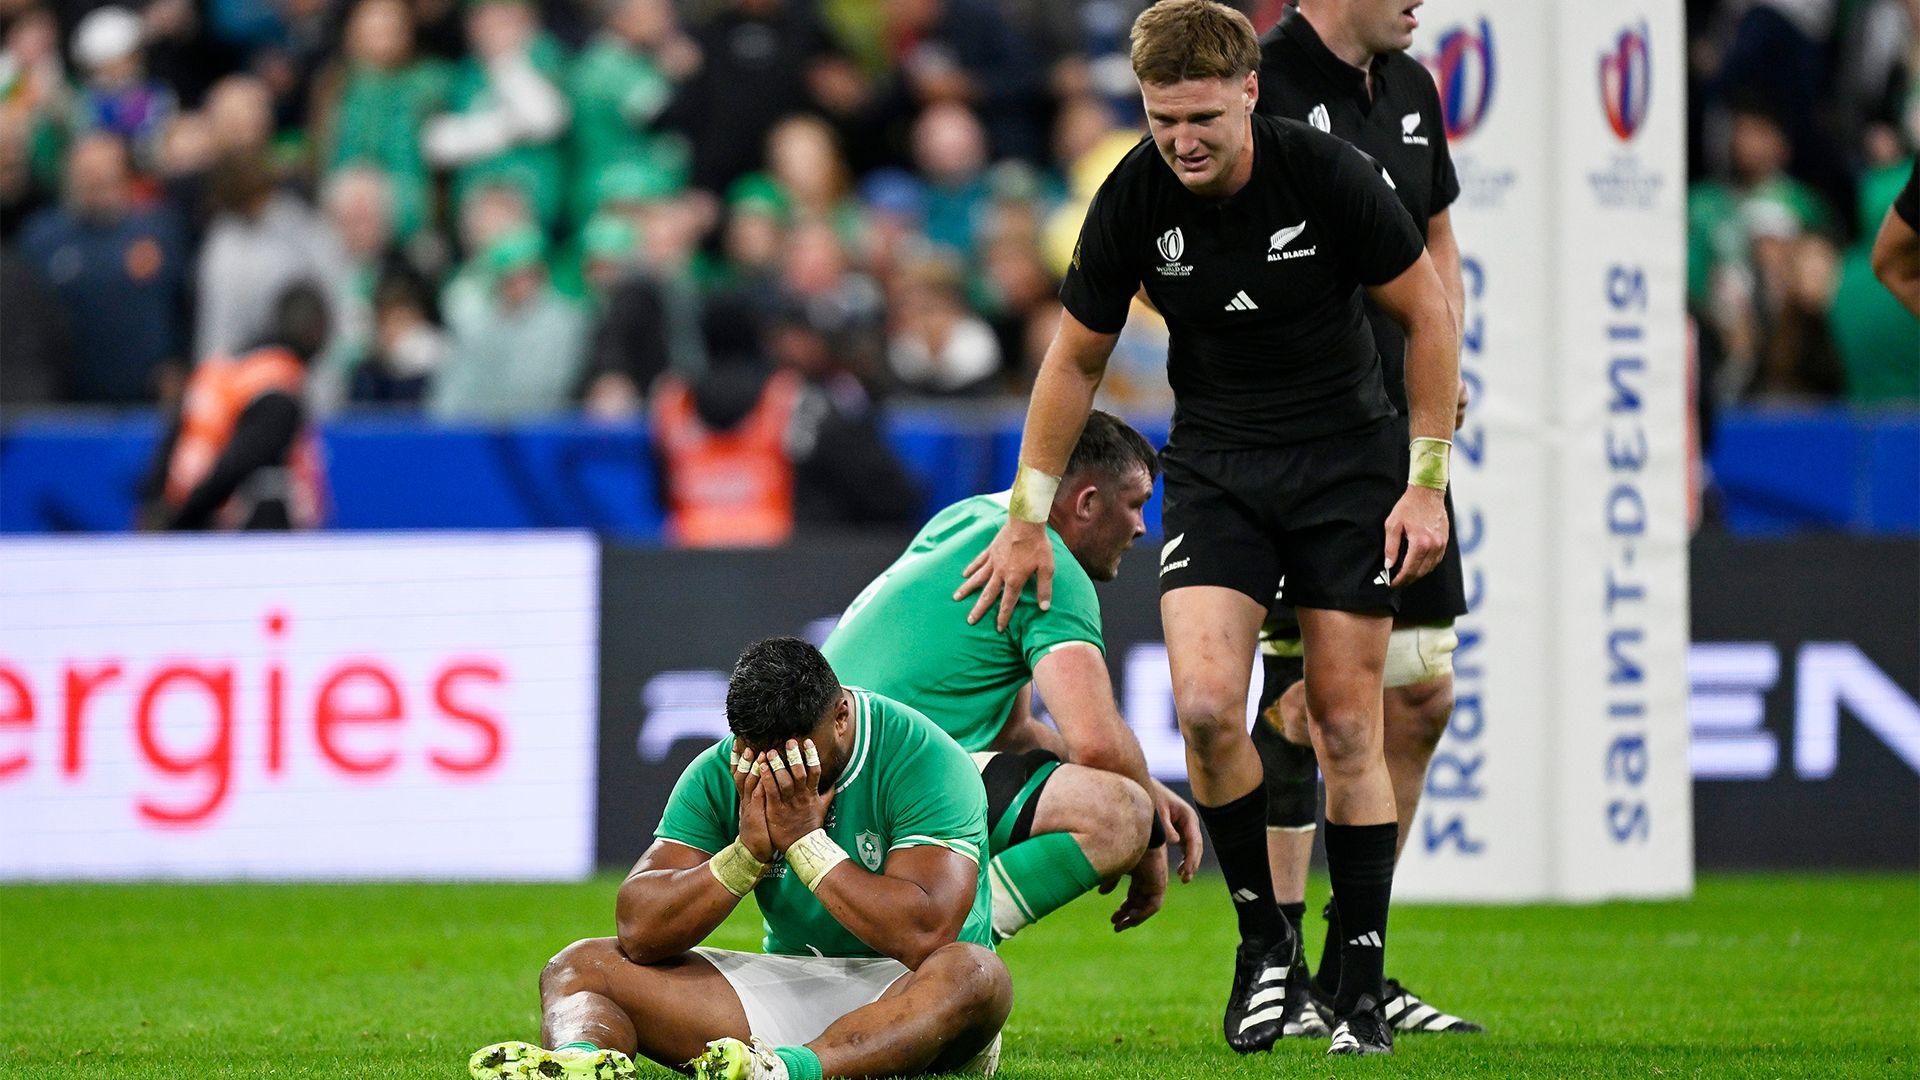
(1463, 69)
(1626, 81)
(1172, 245)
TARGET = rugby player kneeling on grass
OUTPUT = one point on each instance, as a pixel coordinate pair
(1067, 809)
(859, 826)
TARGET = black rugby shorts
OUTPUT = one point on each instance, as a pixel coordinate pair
(1304, 523)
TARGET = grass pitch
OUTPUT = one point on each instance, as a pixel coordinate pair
(1756, 977)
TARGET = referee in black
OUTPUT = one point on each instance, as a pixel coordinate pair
(1341, 66)
(1287, 470)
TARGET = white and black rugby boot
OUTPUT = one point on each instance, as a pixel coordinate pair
(1303, 1019)
(1362, 1031)
(1406, 1012)
(1257, 1007)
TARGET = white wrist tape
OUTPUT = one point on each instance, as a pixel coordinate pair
(813, 855)
(1032, 495)
(1427, 462)
(736, 868)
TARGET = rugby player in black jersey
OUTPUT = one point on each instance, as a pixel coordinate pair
(1896, 249)
(1258, 240)
(1341, 66)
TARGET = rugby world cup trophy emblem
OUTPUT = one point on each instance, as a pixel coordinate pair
(1172, 245)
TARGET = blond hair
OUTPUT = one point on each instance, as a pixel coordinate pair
(1177, 40)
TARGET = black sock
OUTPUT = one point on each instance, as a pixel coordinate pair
(1239, 834)
(1326, 977)
(1360, 862)
(1295, 913)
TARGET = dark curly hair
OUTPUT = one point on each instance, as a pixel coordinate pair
(1108, 446)
(781, 689)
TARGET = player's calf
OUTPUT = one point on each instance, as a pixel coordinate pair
(1417, 716)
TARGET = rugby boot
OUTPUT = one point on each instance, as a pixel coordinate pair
(731, 1059)
(1362, 1031)
(1302, 1019)
(525, 1061)
(1257, 1006)
(1406, 1012)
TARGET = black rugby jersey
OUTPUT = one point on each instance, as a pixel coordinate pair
(1261, 290)
(1400, 125)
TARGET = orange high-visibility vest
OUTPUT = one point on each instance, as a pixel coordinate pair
(219, 391)
(727, 488)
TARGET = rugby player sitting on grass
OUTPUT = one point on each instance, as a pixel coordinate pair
(859, 826)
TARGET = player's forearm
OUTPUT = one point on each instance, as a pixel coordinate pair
(1029, 734)
(662, 913)
(1433, 370)
(894, 917)
(1062, 397)
(1445, 250)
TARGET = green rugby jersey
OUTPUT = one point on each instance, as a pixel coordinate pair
(907, 637)
(905, 784)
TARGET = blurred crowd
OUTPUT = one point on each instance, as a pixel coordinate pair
(1805, 118)
(520, 208)
(526, 207)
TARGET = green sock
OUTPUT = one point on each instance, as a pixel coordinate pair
(576, 1046)
(802, 1063)
(1036, 877)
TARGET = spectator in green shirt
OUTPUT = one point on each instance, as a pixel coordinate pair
(619, 87)
(1758, 196)
(508, 116)
(370, 112)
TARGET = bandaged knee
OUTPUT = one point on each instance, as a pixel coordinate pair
(1417, 654)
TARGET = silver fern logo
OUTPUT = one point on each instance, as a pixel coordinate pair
(1172, 245)
(1277, 244)
(1320, 119)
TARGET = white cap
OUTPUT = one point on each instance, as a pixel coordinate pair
(105, 35)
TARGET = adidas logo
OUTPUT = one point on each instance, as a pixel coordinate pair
(1242, 302)
(1243, 896)
(1370, 940)
(1384, 577)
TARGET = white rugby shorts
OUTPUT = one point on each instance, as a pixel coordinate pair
(790, 1000)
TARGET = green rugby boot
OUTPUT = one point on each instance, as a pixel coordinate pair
(525, 1061)
(731, 1059)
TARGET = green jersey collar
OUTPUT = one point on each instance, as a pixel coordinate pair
(862, 738)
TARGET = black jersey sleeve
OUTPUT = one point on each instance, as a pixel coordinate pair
(1446, 182)
(1907, 203)
(1378, 239)
(1101, 279)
